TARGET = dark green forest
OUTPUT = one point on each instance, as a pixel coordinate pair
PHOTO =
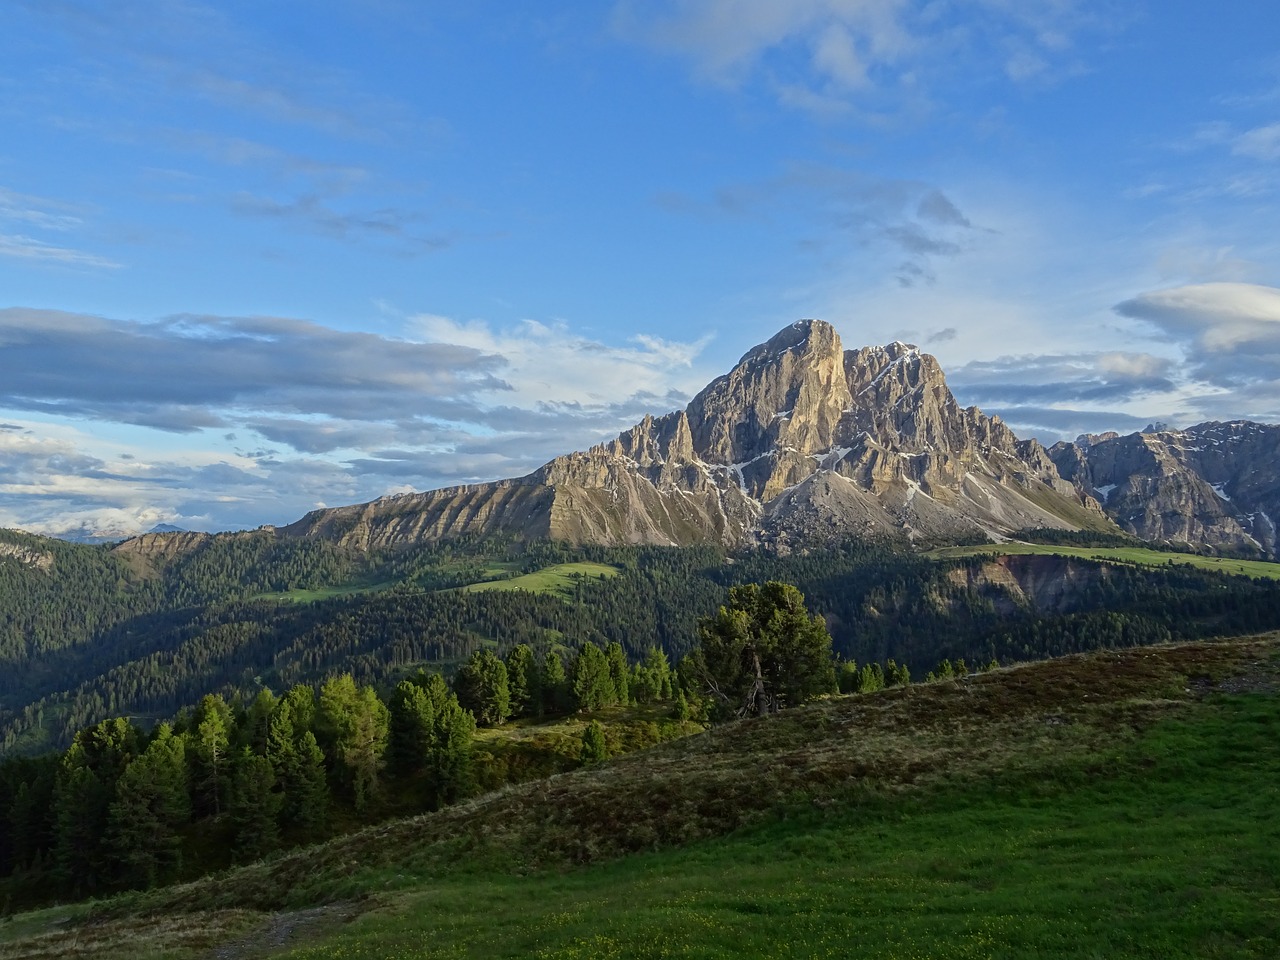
(168, 714)
(93, 633)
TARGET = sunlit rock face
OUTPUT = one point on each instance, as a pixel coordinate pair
(801, 441)
(1214, 484)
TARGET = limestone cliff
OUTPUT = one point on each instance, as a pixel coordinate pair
(799, 441)
(1215, 484)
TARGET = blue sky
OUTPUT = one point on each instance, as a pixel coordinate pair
(256, 258)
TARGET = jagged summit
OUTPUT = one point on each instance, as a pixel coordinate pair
(1214, 484)
(801, 440)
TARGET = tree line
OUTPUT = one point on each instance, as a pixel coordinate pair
(231, 781)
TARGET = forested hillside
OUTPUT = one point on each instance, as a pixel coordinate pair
(88, 633)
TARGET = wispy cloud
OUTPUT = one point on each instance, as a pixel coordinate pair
(905, 217)
(824, 55)
(29, 248)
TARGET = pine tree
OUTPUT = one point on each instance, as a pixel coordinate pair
(594, 749)
(282, 753)
(762, 652)
(523, 681)
(680, 709)
(151, 805)
(449, 763)
(310, 798)
(555, 687)
(83, 791)
(255, 726)
(592, 682)
(211, 754)
(482, 688)
(619, 672)
(412, 730)
(255, 806)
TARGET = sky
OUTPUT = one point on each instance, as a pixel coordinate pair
(258, 258)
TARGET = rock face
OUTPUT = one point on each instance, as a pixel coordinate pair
(1214, 483)
(799, 441)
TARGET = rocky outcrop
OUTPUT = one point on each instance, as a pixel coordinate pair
(27, 556)
(799, 441)
(1214, 484)
(1047, 584)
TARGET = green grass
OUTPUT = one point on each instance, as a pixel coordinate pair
(1134, 555)
(1118, 804)
(558, 578)
(1173, 852)
(325, 593)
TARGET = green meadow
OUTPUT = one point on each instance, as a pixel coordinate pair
(558, 578)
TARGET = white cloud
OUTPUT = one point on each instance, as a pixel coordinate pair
(842, 49)
(1214, 317)
(28, 248)
(1260, 143)
(325, 415)
(549, 363)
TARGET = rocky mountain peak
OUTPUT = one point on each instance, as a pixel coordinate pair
(785, 396)
(801, 440)
(1213, 483)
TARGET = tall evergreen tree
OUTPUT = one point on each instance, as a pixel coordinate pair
(482, 688)
(592, 682)
(555, 686)
(412, 730)
(355, 724)
(449, 764)
(255, 806)
(310, 797)
(211, 733)
(523, 681)
(256, 725)
(151, 805)
(619, 672)
(83, 792)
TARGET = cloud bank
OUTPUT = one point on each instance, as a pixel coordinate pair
(270, 416)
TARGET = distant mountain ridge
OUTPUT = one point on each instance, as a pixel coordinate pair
(801, 440)
(1216, 484)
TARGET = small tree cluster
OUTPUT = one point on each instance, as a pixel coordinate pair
(115, 810)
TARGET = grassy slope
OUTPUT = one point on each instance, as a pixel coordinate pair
(558, 578)
(1135, 555)
(1117, 804)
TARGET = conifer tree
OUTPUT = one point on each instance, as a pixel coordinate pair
(355, 726)
(592, 681)
(482, 688)
(151, 805)
(449, 772)
(83, 791)
(310, 798)
(619, 672)
(762, 652)
(254, 807)
(594, 749)
(523, 681)
(412, 730)
(256, 725)
(555, 688)
(211, 733)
